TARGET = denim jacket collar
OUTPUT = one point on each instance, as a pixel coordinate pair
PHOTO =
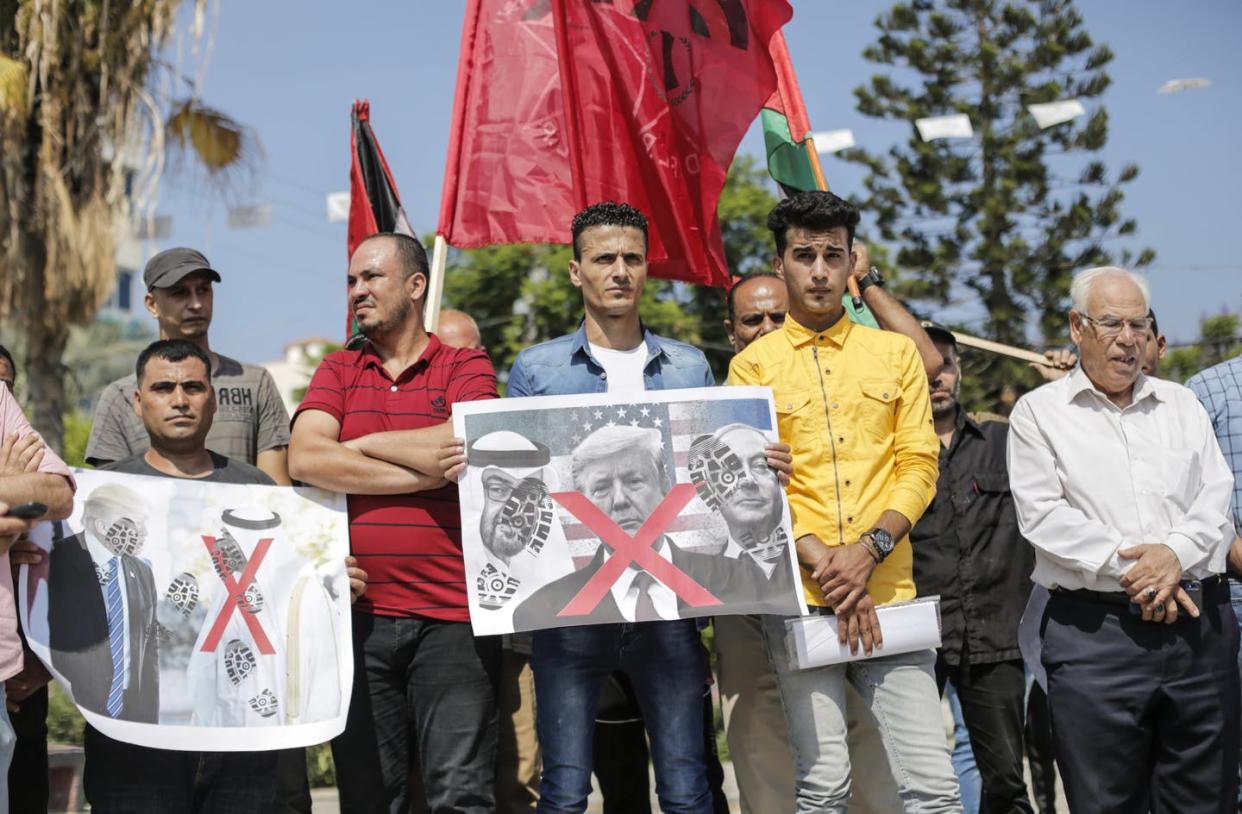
(580, 345)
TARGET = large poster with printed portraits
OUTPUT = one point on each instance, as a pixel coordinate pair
(600, 508)
(181, 614)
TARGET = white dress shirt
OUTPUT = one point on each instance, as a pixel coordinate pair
(103, 560)
(735, 551)
(1090, 478)
(625, 590)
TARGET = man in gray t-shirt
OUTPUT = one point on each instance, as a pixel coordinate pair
(251, 422)
(251, 418)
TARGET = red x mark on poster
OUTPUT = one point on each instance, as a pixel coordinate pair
(236, 593)
(637, 549)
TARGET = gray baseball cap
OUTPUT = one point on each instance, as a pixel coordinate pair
(170, 266)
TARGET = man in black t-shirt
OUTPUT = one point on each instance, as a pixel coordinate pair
(176, 401)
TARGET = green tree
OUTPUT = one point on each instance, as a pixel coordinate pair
(1003, 219)
(1218, 341)
(521, 294)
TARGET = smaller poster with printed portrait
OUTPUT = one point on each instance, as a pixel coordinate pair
(184, 614)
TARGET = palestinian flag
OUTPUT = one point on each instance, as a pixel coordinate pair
(374, 203)
(792, 160)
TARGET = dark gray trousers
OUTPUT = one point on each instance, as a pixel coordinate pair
(1145, 716)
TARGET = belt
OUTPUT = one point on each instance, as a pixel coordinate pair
(1121, 597)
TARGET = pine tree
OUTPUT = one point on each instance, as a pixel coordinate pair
(1001, 220)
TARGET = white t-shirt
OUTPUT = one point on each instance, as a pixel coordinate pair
(624, 367)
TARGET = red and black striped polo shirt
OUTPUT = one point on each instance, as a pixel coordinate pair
(409, 545)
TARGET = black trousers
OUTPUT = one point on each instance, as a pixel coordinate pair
(427, 685)
(1041, 752)
(292, 785)
(1145, 716)
(28, 785)
(991, 696)
(122, 778)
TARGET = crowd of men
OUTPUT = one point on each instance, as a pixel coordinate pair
(1079, 551)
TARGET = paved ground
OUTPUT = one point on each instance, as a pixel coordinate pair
(326, 801)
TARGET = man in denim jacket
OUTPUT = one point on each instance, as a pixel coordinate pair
(613, 352)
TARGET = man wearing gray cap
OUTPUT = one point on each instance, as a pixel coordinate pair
(251, 423)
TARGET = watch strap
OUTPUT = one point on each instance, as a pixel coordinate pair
(868, 542)
(872, 277)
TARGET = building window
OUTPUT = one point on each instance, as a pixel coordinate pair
(122, 298)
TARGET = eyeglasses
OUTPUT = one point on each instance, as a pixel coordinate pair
(1112, 326)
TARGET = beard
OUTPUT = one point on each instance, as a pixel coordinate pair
(948, 407)
(378, 325)
(505, 540)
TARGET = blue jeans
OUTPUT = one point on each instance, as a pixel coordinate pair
(901, 692)
(666, 667)
(963, 757)
(421, 686)
(1235, 600)
(8, 742)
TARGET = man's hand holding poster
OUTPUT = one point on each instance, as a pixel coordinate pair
(187, 615)
(589, 509)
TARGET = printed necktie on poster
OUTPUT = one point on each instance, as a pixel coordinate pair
(116, 637)
(644, 608)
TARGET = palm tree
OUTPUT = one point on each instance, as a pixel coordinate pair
(82, 134)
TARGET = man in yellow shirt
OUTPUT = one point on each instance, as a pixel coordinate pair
(853, 403)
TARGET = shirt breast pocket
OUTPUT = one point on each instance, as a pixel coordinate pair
(1172, 473)
(992, 499)
(795, 417)
(877, 407)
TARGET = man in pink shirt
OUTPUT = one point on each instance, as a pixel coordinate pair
(29, 473)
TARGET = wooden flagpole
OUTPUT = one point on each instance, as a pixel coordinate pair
(1001, 348)
(435, 285)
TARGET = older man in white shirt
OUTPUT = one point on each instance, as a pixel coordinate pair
(1120, 486)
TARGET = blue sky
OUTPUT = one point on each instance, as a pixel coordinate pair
(293, 79)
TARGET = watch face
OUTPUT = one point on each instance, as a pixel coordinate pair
(883, 540)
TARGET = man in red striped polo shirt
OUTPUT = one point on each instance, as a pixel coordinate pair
(371, 426)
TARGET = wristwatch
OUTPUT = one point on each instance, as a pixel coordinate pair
(878, 542)
(872, 277)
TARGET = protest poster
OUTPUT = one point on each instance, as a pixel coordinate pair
(181, 614)
(600, 508)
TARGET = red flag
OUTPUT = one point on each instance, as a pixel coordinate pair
(562, 103)
(374, 203)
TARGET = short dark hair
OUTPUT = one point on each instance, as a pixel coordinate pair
(607, 213)
(816, 210)
(1155, 326)
(171, 350)
(411, 256)
(4, 354)
(741, 281)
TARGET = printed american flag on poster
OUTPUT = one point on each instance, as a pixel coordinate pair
(676, 425)
(559, 486)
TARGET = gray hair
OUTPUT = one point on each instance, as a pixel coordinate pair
(117, 498)
(608, 441)
(1080, 288)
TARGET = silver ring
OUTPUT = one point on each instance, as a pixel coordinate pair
(1150, 593)
(1158, 608)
